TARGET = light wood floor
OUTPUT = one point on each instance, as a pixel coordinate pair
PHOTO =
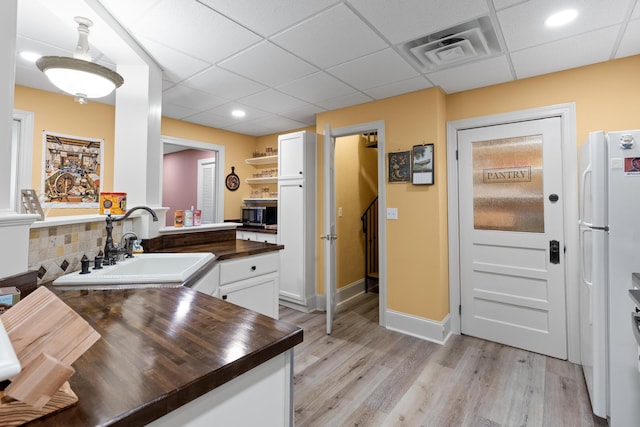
(365, 375)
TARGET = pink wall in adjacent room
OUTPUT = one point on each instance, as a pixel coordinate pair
(180, 180)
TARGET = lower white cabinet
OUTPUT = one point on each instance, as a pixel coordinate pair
(251, 282)
(262, 396)
(257, 294)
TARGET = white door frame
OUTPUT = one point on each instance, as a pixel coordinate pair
(382, 203)
(570, 189)
(205, 146)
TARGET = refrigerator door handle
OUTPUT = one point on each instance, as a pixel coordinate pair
(586, 172)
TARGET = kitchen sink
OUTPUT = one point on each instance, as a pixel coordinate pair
(142, 271)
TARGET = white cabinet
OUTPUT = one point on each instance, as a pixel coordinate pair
(262, 396)
(251, 282)
(297, 219)
(257, 236)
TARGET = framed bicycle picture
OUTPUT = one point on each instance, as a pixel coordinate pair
(422, 164)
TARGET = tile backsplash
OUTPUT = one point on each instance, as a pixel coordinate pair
(57, 250)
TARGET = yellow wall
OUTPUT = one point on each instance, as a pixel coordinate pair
(356, 186)
(417, 276)
(606, 96)
(60, 114)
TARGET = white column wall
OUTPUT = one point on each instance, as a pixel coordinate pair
(14, 228)
(8, 18)
(138, 146)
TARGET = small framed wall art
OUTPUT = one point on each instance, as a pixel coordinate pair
(422, 164)
(400, 166)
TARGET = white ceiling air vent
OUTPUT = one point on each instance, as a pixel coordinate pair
(463, 43)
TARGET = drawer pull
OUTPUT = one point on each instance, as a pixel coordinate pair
(253, 268)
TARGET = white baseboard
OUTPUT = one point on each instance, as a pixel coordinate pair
(343, 294)
(419, 327)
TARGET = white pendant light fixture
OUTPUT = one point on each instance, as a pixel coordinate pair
(78, 76)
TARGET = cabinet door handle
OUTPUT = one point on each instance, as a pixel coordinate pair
(224, 296)
(253, 268)
(300, 172)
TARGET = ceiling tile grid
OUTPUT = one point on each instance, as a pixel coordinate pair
(284, 61)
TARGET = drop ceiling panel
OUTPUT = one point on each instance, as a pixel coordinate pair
(177, 111)
(36, 23)
(404, 86)
(224, 84)
(563, 54)
(193, 29)
(272, 100)
(128, 12)
(523, 25)
(225, 110)
(248, 129)
(376, 69)
(268, 17)
(191, 98)
(316, 87)
(273, 122)
(630, 44)
(176, 65)
(330, 38)
(268, 64)
(399, 21)
(306, 114)
(477, 74)
(347, 100)
(207, 118)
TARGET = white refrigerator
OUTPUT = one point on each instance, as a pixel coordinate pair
(610, 253)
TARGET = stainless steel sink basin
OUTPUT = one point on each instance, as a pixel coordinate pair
(141, 271)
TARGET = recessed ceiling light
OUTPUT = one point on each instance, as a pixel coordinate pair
(238, 113)
(561, 18)
(30, 56)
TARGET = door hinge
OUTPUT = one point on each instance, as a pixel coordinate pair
(456, 154)
(460, 309)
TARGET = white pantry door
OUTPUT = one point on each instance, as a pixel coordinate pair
(512, 235)
(329, 235)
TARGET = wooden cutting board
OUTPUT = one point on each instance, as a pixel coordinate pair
(47, 337)
(42, 323)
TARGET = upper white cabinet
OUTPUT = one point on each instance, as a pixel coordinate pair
(297, 219)
(294, 155)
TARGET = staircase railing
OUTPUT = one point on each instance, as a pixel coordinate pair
(370, 229)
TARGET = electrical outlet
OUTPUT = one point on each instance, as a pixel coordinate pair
(340, 212)
(392, 213)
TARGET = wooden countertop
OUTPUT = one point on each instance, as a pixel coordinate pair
(228, 249)
(161, 348)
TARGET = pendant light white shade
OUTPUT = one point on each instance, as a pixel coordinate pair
(78, 76)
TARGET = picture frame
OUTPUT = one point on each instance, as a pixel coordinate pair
(399, 167)
(422, 164)
(72, 171)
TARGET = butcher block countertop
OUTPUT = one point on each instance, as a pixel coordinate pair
(223, 244)
(161, 348)
(230, 248)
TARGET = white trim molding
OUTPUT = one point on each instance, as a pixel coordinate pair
(419, 327)
(567, 114)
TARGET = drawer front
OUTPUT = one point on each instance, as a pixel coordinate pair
(247, 267)
(266, 237)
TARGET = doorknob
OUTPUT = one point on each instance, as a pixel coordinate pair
(554, 252)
